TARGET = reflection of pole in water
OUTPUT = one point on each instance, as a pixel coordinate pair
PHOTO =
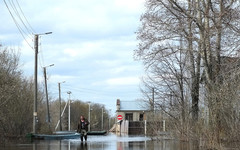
(83, 146)
(48, 145)
(60, 144)
(69, 145)
(145, 143)
(35, 146)
(119, 146)
(164, 144)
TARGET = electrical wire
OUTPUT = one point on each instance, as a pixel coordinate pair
(20, 18)
(93, 92)
(25, 17)
(41, 58)
(29, 27)
(20, 29)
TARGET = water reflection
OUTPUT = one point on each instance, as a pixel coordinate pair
(131, 145)
(109, 142)
(83, 146)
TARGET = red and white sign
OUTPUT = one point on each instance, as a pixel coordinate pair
(119, 117)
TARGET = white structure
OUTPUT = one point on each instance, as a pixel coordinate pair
(131, 110)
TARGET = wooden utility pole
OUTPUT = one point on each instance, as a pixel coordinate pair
(35, 83)
(102, 118)
(89, 115)
(60, 103)
(153, 106)
(69, 111)
(35, 80)
(46, 91)
(60, 120)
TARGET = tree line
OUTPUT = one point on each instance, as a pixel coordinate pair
(16, 103)
(190, 51)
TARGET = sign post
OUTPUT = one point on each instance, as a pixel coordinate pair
(119, 117)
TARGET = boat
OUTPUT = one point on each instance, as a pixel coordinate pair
(97, 132)
(55, 136)
(89, 132)
(61, 135)
(65, 132)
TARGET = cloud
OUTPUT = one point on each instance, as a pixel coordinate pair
(86, 19)
(133, 6)
(71, 52)
(123, 81)
(91, 46)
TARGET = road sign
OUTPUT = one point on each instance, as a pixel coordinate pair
(119, 117)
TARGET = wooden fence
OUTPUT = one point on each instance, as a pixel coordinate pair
(140, 127)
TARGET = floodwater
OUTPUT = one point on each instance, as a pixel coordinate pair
(107, 142)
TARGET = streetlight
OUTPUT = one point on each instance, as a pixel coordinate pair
(59, 89)
(69, 102)
(35, 79)
(109, 120)
(46, 91)
(102, 118)
(89, 115)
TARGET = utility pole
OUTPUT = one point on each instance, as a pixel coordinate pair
(102, 118)
(69, 103)
(35, 80)
(89, 115)
(153, 105)
(60, 103)
(109, 120)
(35, 83)
(59, 97)
(46, 91)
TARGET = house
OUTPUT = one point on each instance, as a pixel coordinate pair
(132, 110)
(133, 117)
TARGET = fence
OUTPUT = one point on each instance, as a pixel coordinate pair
(136, 127)
(139, 127)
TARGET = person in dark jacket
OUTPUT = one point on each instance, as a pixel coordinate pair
(83, 127)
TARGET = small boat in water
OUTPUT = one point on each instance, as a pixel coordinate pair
(60, 135)
(97, 132)
(55, 136)
(89, 132)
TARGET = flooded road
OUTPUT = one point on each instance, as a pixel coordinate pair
(107, 142)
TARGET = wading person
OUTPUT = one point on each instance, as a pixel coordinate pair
(83, 128)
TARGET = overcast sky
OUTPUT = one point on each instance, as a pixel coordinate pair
(91, 46)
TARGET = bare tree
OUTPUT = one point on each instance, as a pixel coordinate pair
(16, 95)
(167, 50)
(184, 42)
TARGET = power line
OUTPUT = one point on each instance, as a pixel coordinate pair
(25, 17)
(41, 58)
(29, 27)
(20, 29)
(19, 16)
(107, 94)
(93, 91)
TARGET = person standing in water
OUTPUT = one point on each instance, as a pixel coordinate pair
(83, 128)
